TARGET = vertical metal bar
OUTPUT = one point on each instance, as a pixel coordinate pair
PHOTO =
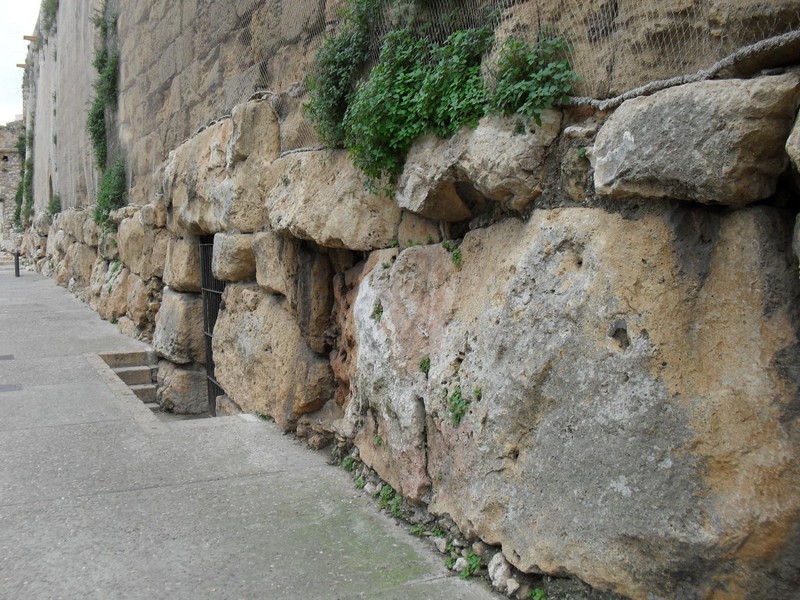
(212, 289)
(16, 264)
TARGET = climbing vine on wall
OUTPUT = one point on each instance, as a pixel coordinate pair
(338, 63)
(111, 192)
(423, 84)
(106, 64)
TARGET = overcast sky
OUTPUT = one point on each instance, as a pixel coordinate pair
(17, 18)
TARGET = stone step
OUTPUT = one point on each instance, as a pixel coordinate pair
(135, 375)
(153, 406)
(146, 392)
(134, 358)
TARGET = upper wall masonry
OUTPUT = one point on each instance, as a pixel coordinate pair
(183, 65)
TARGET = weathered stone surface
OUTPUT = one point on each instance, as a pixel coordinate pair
(455, 179)
(796, 238)
(61, 274)
(233, 258)
(178, 335)
(715, 142)
(256, 132)
(415, 229)
(143, 302)
(616, 46)
(80, 259)
(154, 214)
(113, 302)
(276, 257)
(72, 221)
(345, 352)
(199, 195)
(317, 428)
(142, 248)
(181, 390)
(41, 222)
(91, 233)
(98, 278)
(107, 245)
(499, 571)
(320, 196)
(599, 387)
(286, 266)
(182, 268)
(55, 243)
(793, 145)
(227, 407)
(158, 254)
(262, 360)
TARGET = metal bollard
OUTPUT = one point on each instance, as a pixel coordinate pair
(16, 264)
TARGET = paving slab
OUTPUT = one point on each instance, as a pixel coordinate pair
(101, 499)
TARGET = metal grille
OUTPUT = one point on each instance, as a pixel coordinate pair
(212, 289)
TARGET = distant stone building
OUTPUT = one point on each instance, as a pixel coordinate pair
(10, 173)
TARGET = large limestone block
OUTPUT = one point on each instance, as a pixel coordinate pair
(142, 248)
(200, 195)
(276, 257)
(286, 266)
(714, 142)
(182, 390)
(455, 179)
(113, 302)
(51, 248)
(143, 303)
(154, 214)
(607, 397)
(320, 196)
(182, 268)
(98, 278)
(179, 330)
(138, 300)
(41, 224)
(60, 242)
(72, 222)
(91, 232)
(157, 257)
(233, 258)
(107, 244)
(262, 361)
(80, 260)
(256, 132)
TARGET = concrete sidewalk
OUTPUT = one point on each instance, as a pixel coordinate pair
(100, 499)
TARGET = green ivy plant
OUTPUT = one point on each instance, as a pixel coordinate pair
(422, 84)
(111, 194)
(106, 64)
(337, 65)
(453, 93)
(54, 206)
(382, 120)
(532, 77)
(17, 218)
(473, 566)
(416, 88)
(458, 406)
(49, 10)
(27, 187)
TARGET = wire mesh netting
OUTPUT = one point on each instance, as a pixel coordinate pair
(614, 45)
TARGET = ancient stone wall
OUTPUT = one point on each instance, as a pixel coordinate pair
(10, 173)
(59, 80)
(576, 341)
